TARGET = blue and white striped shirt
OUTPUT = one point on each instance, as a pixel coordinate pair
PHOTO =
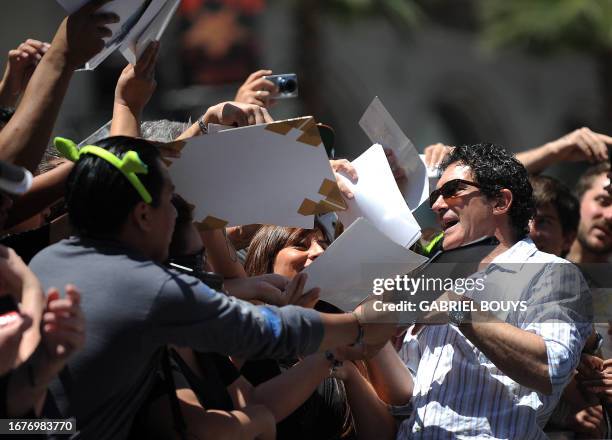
(459, 392)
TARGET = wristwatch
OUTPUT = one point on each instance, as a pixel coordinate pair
(596, 346)
(459, 317)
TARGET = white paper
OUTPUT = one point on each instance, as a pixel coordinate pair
(252, 175)
(378, 199)
(381, 128)
(433, 174)
(345, 272)
(140, 21)
(150, 28)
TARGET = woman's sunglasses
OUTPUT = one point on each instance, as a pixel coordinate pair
(449, 189)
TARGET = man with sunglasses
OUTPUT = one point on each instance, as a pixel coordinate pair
(495, 376)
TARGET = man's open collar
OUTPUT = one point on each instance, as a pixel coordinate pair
(514, 258)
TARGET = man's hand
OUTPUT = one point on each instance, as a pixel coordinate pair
(597, 377)
(581, 144)
(137, 83)
(63, 324)
(589, 420)
(348, 170)
(236, 114)
(20, 66)
(80, 36)
(257, 90)
(435, 154)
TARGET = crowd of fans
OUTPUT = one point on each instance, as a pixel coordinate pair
(120, 313)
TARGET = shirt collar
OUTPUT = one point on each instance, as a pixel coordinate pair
(516, 256)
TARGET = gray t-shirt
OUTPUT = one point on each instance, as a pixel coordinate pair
(133, 307)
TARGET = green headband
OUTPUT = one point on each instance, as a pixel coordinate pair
(129, 165)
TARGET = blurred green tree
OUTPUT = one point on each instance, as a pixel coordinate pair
(553, 26)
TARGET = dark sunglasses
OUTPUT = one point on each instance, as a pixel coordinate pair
(449, 189)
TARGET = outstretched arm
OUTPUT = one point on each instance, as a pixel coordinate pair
(579, 145)
(79, 37)
(19, 69)
(134, 90)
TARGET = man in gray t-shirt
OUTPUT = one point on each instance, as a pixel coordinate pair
(133, 307)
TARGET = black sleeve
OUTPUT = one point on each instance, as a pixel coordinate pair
(226, 368)
(29, 243)
(4, 380)
(210, 389)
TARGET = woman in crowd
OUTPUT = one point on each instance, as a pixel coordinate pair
(317, 397)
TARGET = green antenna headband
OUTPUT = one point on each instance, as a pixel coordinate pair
(129, 165)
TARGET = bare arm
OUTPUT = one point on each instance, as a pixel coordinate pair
(134, 89)
(371, 415)
(23, 396)
(241, 236)
(221, 254)
(579, 145)
(24, 139)
(21, 282)
(47, 188)
(19, 68)
(520, 354)
(390, 377)
(63, 333)
(229, 113)
(302, 379)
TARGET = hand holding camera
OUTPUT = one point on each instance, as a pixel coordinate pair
(263, 89)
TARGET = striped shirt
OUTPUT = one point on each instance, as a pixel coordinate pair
(459, 392)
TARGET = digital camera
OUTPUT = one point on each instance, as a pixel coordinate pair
(287, 84)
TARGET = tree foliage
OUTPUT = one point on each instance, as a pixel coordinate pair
(547, 25)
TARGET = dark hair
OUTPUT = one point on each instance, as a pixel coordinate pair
(267, 243)
(549, 190)
(99, 197)
(586, 180)
(184, 218)
(495, 169)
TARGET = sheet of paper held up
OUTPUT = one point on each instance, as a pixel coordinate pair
(275, 173)
(141, 21)
(381, 128)
(345, 272)
(378, 199)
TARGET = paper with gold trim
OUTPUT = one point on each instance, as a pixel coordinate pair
(275, 173)
(345, 272)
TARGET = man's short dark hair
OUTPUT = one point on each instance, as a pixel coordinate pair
(99, 197)
(494, 168)
(548, 190)
(588, 177)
